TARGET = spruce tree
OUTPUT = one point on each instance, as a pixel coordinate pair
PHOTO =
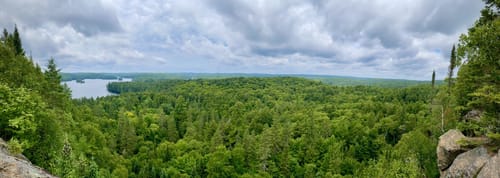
(52, 73)
(54, 90)
(433, 78)
(5, 35)
(453, 64)
(7, 39)
(16, 40)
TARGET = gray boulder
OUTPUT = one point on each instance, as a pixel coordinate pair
(14, 167)
(492, 168)
(474, 115)
(468, 164)
(448, 148)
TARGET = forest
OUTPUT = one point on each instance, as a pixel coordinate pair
(248, 126)
(327, 79)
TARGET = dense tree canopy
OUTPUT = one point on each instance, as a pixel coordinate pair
(244, 126)
(234, 127)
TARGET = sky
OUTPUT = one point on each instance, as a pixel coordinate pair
(405, 39)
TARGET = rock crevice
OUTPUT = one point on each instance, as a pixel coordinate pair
(455, 160)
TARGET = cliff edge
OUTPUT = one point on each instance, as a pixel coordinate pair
(14, 167)
(456, 160)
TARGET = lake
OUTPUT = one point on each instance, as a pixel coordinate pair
(91, 88)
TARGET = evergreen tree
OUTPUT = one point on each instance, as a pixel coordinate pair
(478, 82)
(52, 74)
(126, 136)
(54, 92)
(16, 40)
(7, 39)
(453, 64)
(5, 35)
(172, 133)
(433, 78)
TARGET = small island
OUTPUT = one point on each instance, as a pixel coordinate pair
(80, 81)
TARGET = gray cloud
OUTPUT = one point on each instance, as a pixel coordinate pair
(372, 38)
(87, 17)
(447, 17)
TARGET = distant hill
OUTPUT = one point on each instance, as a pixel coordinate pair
(328, 79)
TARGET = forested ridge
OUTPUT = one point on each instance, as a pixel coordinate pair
(248, 126)
(327, 79)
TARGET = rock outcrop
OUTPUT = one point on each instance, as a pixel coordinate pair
(468, 164)
(474, 115)
(14, 167)
(448, 148)
(492, 168)
(455, 160)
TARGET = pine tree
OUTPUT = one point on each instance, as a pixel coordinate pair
(126, 135)
(5, 35)
(52, 73)
(16, 40)
(453, 64)
(54, 91)
(433, 78)
(7, 39)
(172, 133)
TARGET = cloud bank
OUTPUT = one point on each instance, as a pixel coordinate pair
(376, 38)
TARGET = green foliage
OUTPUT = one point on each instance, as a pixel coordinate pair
(494, 139)
(388, 166)
(247, 125)
(230, 127)
(18, 71)
(28, 120)
(13, 41)
(417, 145)
(259, 127)
(471, 143)
(120, 172)
(477, 85)
(55, 93)
(18, 116)
(151, 78)
(15, 146)
(453, 65)
(17, 44)
(494, 136)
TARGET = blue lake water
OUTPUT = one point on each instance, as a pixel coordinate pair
(91, 88)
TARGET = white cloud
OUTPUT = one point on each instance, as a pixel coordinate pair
(392, 39)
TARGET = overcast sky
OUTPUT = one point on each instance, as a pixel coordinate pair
(365, 38)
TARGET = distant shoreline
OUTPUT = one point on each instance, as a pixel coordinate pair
(328, 79)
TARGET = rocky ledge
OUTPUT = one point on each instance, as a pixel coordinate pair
(455, 160)
(16, 167)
